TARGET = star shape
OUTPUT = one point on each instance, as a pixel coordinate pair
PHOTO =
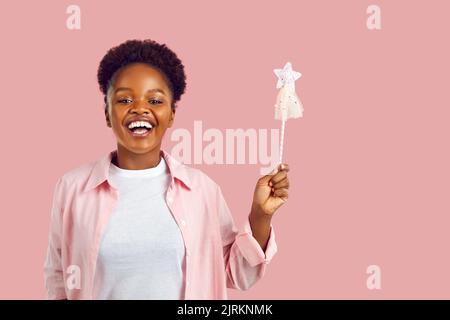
(286, 75)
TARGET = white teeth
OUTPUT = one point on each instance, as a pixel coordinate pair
(143, 124)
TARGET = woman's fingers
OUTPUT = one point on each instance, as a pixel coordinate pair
(278, 177)
(282, 184)
(282, 193)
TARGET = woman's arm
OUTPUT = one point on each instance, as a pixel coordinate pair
(260, 228)
(271, 192)
(53, 271)
(247, 254)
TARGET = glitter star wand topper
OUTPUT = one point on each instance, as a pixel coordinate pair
(288, 105)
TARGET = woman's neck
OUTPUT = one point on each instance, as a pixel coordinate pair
(126, 159)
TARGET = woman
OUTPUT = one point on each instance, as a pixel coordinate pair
(137, 224)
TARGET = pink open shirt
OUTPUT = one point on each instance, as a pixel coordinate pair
(217, 255)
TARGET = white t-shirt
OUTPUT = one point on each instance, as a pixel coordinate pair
(141, 255)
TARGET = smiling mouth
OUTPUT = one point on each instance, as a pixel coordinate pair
(140, 130)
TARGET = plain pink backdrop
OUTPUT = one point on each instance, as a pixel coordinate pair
(369, 160)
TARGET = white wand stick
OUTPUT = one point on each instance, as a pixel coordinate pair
(288, 104)
(283, 124)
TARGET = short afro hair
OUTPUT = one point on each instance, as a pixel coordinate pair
(158, 56)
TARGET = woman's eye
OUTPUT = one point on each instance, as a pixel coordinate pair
(152, 101)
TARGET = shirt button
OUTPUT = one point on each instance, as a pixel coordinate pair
(169, 198)
(187, 282)
(183, 222)
(188, 253)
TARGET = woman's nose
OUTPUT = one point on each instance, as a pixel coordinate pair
(141, 106)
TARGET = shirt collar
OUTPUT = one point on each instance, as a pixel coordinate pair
(100, 171)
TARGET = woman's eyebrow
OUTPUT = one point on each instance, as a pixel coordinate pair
(129, 89)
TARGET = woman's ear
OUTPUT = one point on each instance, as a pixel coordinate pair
(108, 121)
(172, 117)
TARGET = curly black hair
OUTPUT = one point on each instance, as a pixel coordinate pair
(157, 55)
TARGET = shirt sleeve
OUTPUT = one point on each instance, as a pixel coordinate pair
(53, 272)
(245, 261)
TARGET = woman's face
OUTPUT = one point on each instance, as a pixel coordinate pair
(139, 90)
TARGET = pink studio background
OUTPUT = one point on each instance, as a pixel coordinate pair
(369, 160)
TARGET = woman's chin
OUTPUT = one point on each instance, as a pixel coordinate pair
(140, 147)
